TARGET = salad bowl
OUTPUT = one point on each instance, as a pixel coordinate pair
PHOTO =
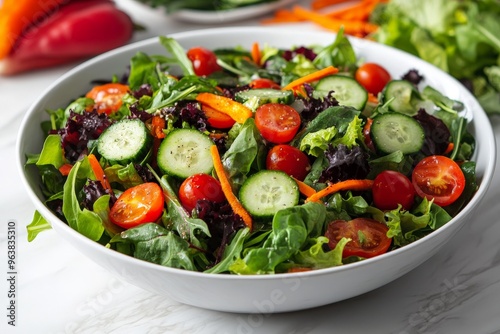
(256, 293)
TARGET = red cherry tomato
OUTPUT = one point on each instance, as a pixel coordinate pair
(368, 237)
(200, 187)
(264, 83)
(138, 205)
(290, 160)
(108, 97)
(391, 188)
(204, 61)
(373, 77)
(277, 123)
(440, 178)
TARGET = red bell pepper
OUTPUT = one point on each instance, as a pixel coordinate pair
(75, 30)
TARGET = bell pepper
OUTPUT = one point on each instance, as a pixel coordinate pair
(43, 33)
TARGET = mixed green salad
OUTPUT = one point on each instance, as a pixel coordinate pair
(256, 161)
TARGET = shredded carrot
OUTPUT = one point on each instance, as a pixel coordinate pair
(350, 26)
(304, 188)
(320, 4)
(282, 16)
(157, 126)
(214, 115)
(372, 98)
(256, 53)
(65, 169)
(364, 184)
(449, 149)
(226, 188)
(18, 15)
(330, 70)
(98, 171)
(235, 110)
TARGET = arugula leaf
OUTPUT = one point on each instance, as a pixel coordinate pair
(38, 224)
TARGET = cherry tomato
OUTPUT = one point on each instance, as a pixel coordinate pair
(368, 237)
(440, 178)
(264, 83)
(217, 119)
(277, 123)
(391, 188)
(138, 205)
(373, 77)
(204, 61)
(200, 187)
(108, 97)
(290, 160)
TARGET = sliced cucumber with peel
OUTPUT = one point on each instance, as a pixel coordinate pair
(346, 90)
(268, 191)
(404, 97)
(257, 97)
(124, 142)
(185, 152)
(394, 131)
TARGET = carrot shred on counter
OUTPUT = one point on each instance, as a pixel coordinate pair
(325, 21)
(320, 4)
(235, 110)
(98, 171)
(18, 15)
(315, 76)
(305, 189)
(364, 184)
(226, 188)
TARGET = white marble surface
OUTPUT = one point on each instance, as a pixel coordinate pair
(61, 291)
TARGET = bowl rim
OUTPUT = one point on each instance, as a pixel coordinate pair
(478, 114)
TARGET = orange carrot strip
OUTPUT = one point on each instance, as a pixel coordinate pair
(256, 54)
(305, 189)
(372, 98)
(157, 126)
(98, 171)
(364, 184)
(311, 77)
(350, 27)
(235, 110)
(449, 149)
(282, 16)
(65, 169)
(320, 4)
(17, 15)
(227, 190)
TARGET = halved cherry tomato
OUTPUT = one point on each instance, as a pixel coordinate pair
(290, 160)
(277, 123)
(204, 61)
(373, 77)
(138, 205)
(391, 188)
(440, 178)
(108, 97)
(200, 187)
(217, 119)
(368, 237)
(264, 83)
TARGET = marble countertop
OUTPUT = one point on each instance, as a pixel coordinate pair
(58, 290)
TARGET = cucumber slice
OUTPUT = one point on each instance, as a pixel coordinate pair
(124, 142)
(185, 152)
(394, 131)
(260, 96)
(346, 90)
(268, 191)
(405, 97)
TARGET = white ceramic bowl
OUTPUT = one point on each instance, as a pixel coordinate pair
(270, 293)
